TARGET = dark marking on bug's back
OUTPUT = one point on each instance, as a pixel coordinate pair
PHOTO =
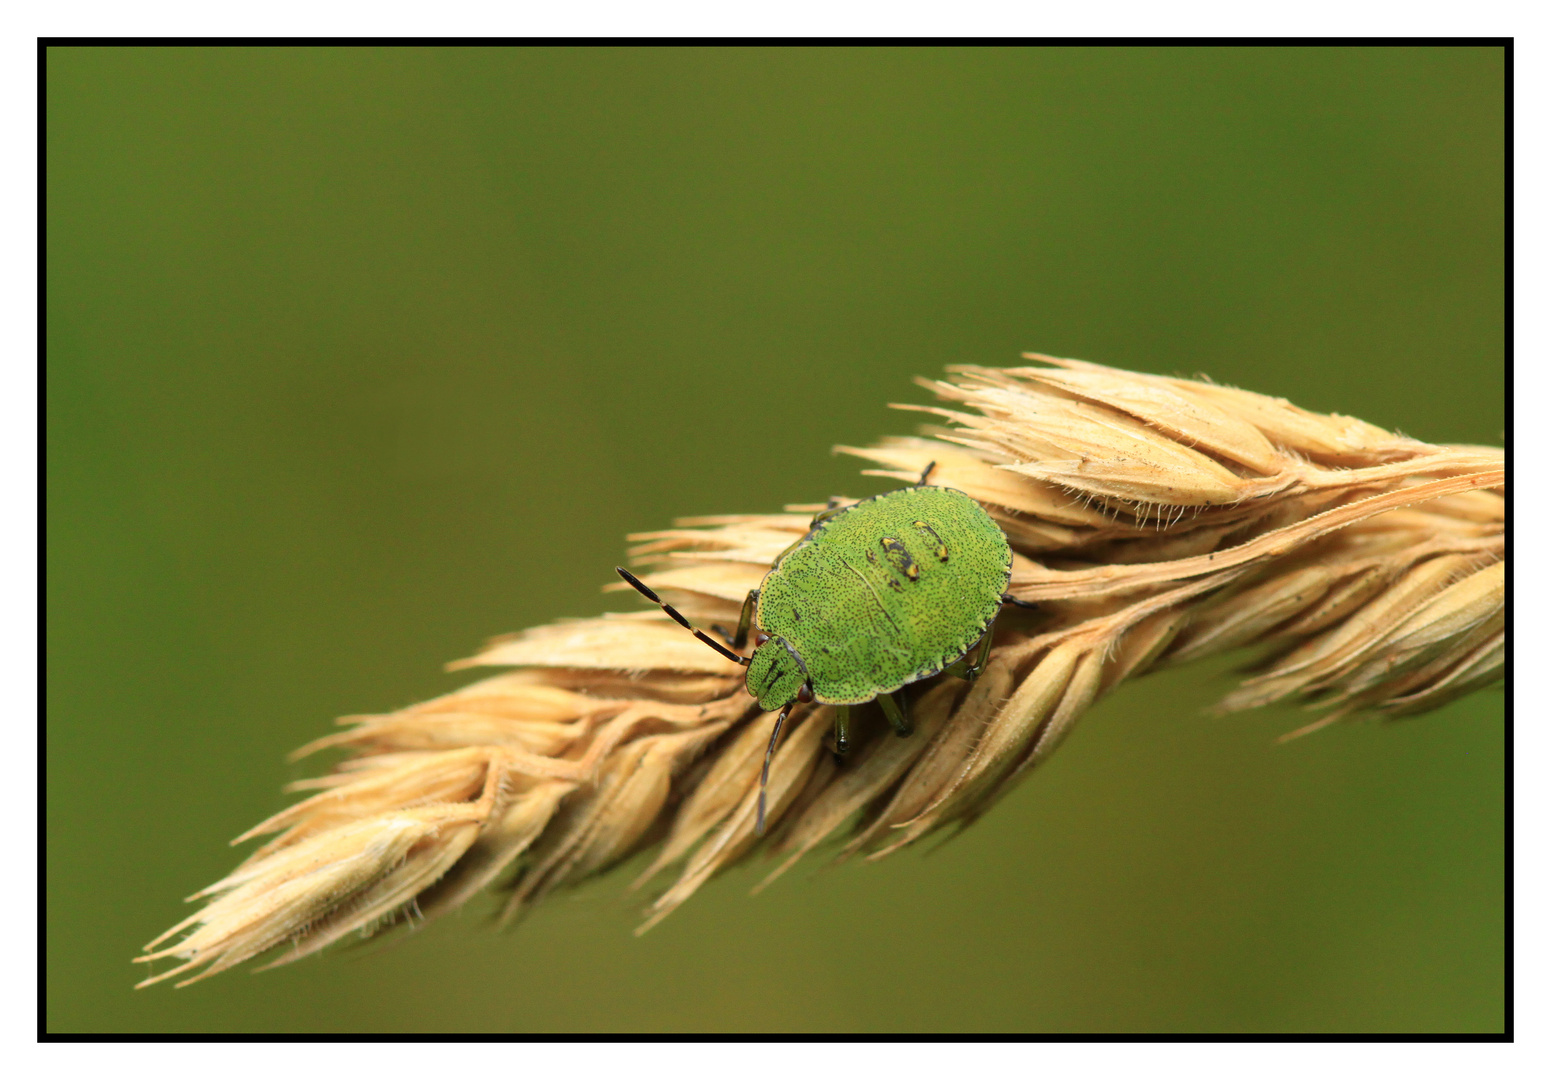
(900, 558)
(942, 547)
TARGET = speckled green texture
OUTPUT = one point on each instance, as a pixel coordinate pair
(888, 591)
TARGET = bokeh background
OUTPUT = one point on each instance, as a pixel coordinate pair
(359, 356)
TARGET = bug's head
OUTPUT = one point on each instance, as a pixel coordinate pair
(776, 674)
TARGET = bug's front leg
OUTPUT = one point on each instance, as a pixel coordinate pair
(818, 519)
(745, 620)
(824, 515)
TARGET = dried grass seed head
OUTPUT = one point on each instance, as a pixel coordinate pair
(1157, 520)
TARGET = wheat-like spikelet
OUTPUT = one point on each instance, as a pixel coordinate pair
(1154, 520)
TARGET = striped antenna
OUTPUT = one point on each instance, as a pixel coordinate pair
(640, 587)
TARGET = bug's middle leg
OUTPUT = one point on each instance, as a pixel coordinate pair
(842, 730)
(895, 709)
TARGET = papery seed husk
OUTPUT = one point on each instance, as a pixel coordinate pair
(1363, 632)
(1252, 613)
(1143, 644)
(1329, 439)
(1013, 728)
(796, 757)
(503, 840)
(1338, 649)
(453, 776)
(723, 580)
(875, 768)
(1407, 668)
(617, 644)
(447, 730)
(1481, 668)
(266, 903)
(1345, 597)
(1463, 604)
(717, 794)
(982, 480)
(639, 794)
(946, 755)
(1195, 422)
(420, 869)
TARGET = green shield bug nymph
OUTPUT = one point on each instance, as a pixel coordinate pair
(877, 595)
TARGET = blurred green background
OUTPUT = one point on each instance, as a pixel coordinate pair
(359, 356)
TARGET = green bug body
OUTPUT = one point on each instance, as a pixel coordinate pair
(883, 593)
(877, 595)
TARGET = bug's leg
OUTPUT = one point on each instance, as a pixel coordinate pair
(930, 465)
(1009, 598)
(764, 774)
(895, 709)
(969, 670)
(745, 617)
(985, 652)
(824, 515)
(842, 731)
(636, 584)
(818, 519)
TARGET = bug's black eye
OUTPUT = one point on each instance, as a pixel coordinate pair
(761, 639)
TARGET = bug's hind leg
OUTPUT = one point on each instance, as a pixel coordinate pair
(1009, 598)
(896, 710)
(745, 619)
(926, 472)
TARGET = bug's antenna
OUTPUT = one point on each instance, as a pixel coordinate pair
(764, 774)
(930, 465)
(638, 586)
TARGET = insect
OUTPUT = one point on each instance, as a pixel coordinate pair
(879, 594)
